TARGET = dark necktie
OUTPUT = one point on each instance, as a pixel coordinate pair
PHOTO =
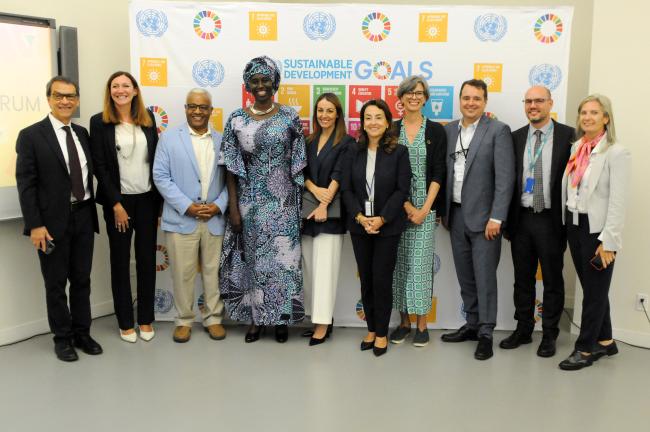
(78, 190)
(538, 188)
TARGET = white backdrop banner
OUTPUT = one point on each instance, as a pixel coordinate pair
(359, 52)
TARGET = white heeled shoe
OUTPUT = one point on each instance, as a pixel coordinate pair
(131, 337)
(147, 336)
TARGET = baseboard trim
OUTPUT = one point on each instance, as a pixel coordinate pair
(29, 329)
(632, 337)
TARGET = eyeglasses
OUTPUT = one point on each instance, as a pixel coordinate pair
(538, 101)
(416, 94)
(60, 96)
(193, 107)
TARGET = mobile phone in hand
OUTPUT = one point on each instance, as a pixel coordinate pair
(49, 247)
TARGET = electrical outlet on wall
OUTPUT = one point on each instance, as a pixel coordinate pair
(641, 300)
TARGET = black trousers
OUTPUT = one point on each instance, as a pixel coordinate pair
(376, 257)
(596, 322)
(143, 211)
(537, 239)
(71, 260)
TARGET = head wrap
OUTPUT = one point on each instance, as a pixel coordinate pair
(265, 66)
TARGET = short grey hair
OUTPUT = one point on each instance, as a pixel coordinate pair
(606, 106)
(409, 84)
(201, 91)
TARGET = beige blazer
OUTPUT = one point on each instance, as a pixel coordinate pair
(607, 189)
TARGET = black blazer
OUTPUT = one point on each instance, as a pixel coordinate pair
(436, 145)
(321, 169)
(107, 169)
(563, 137)
(43, 180)
(392, 187)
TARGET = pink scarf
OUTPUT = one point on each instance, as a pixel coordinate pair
(579, 161)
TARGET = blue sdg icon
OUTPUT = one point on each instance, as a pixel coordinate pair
(163, 301)
(436, 263)
(319, 25)
(546, 75)
(440, 104)
(207, 73)
(151, 22)
(490, 27)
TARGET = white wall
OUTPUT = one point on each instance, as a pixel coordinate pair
(620, 61)
(104, 48)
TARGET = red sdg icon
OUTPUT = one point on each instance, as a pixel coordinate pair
(305, 126)
(395, 105)
(358, 95)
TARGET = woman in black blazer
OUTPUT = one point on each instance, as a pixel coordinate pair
(123, 140)
(426, 142)
(375, 186)
(322, 236)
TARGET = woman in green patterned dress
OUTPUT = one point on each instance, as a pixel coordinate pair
(413, 276)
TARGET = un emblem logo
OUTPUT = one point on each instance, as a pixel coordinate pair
(207, 73)
(319, 25)
(163, 301)
(151, 22)
(490, 27)
(546, 75)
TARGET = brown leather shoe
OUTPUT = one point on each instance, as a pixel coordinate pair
(216, 331)
(182, 334)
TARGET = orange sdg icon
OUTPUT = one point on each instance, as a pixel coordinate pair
(263, 26)
(431, 316)
(297, 97)
(216, 119)
(491, 73)
(433, 27)
(153, 72)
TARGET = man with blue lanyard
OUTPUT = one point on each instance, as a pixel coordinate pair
(535, 227)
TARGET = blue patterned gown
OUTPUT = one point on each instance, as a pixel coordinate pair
(261, 274)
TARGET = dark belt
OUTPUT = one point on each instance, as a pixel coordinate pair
(531, 210)
(455, 205)
(79, 205)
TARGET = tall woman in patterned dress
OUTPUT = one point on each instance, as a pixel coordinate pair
(413, 277)
(264, 152)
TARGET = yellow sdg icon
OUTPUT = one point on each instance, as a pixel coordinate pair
(433, 27)
(297, 97)
(263, 26)
(491, 73)
(216, 119)
(153, 72)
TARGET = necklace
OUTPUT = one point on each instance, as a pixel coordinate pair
(120, 148)
(261, 112)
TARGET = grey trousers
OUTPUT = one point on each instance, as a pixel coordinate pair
(476, 260)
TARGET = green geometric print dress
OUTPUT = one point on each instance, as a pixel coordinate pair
(413, 276)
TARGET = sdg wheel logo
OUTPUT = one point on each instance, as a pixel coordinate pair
(375, 27)
(207, 25)
(162, 120)
(548, 28)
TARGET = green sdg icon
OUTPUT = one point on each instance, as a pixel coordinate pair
(338, 90)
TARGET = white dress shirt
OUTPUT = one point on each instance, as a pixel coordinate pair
(61, 137)
(465, 135)
(204, 152)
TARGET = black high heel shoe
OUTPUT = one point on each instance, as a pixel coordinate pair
(310, 333)
(281, 333)
(365, 346)
(315, 341)
(253, 336)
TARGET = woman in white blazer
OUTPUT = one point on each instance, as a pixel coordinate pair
(593, 195)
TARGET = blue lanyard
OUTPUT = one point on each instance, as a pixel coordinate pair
(370, 187)
(533, 160)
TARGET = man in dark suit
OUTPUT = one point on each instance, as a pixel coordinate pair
(535, 226)
(480, 177)
(55, 189)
